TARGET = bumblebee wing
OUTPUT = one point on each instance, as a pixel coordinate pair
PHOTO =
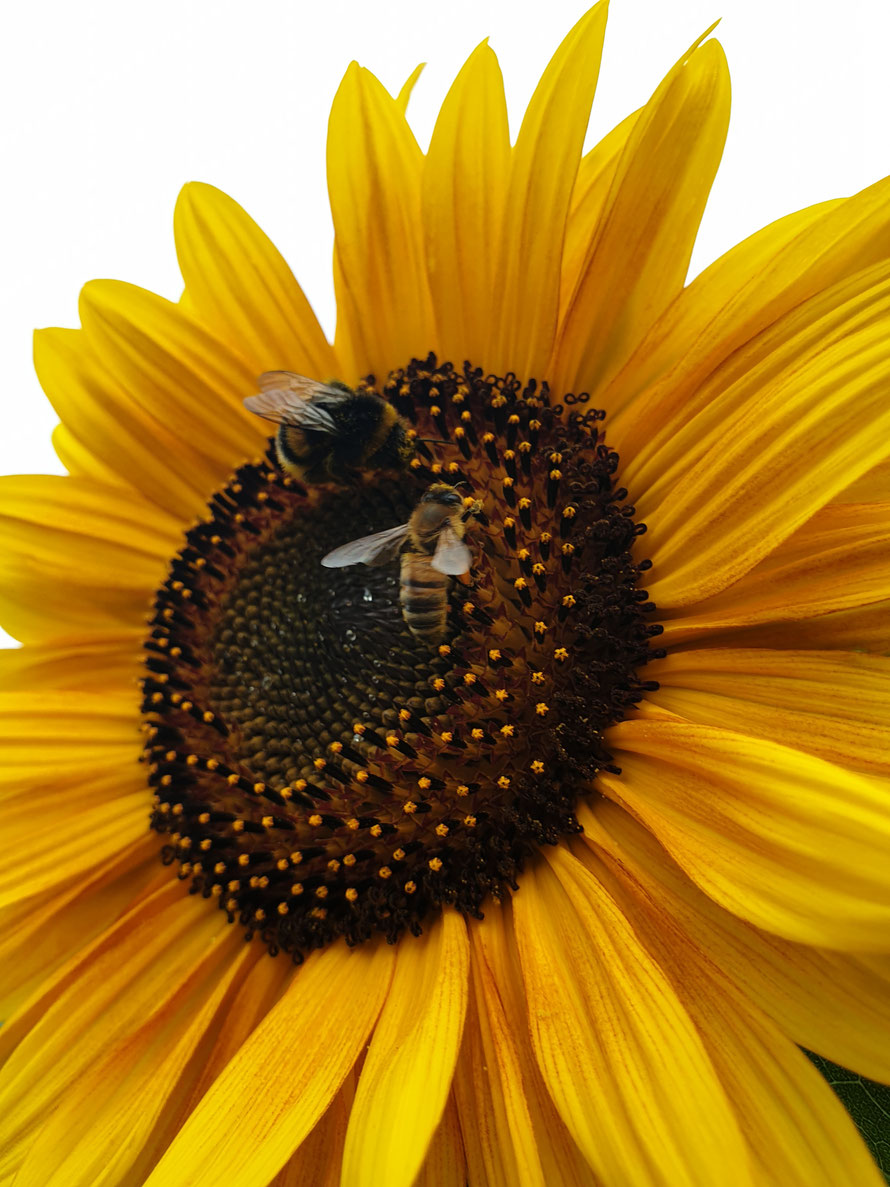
(290, 399)
(452, 555)
(367, 550)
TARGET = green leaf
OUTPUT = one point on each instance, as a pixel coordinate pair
(867, 1103)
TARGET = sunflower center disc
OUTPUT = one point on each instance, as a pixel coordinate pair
(319, 769)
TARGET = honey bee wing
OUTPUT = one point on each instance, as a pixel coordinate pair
(451, 556)
(298, 385)
(367, 550)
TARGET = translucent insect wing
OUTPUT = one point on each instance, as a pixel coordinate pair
(367, 550)
(451, 556)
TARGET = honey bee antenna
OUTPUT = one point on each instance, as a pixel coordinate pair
(433, 441)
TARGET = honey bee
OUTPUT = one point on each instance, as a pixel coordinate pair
(432, 550)
(327, 432)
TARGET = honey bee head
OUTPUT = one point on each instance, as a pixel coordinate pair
(437, 504)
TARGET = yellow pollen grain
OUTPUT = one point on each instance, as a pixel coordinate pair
(232, 779)
(501, 694)
(462, 789)
(569, 512)
(542, 709)
(555, 459)
(185, 843)
(351, 894)
(283, 908)
(243, 859)
(205, 844)
(415, 463)
(460, 432)
(282, 863)
(442, 830)
(318, 913)
(538, 677)
(349, 859)
(567, 549)
(259, 914)
(540, 627)
(494, 654)
(525, 446)
(424, 783)
(523, 554)
(513, 419)
(300, 784)
(555, 475)
(470, 821)
(525, 502)
(187, 706)
(438, 684)
(508, 730)
(192, 760)
(537, 767)
(321, 892)
(333, 865)
(319, 764)
(538, 569)
(375, 830)
(219, 868)
(237, 826)
(435, 864)
(361, 776)
(409, 807)
(268, 821)
(504, 782)
(477, 734)
(410, 887)
(469, 678)
(435, 410)
(509, 521)
(185, 868)
(162, 677)
(520, 583)
(468, 500)
(447, 736)
(560, 655)
(296, 857)
(487, 438)
(296, 889)
(207, 716)
(358, 728)
(392, 739)
(352, 823)
(336, 747)
(398, 854)
(384, 872)
(233, 886)
(404, 714)
(314, 820)
(286, 793)
(204, 818)
(508, 481)
(231, 905)
(156, 698)
(170, 755)
(569, 600)
(212, 764)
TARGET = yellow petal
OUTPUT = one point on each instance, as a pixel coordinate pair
(797, 1131)
(407, 1074)
(833, 704)
(384, 316)
(109, 426)
(404, 96)
(132, 1089)
(872, 487)
(512, 1132)
(110, 665)
(39, 936)
(786, 840)
(78, 460)
(284, 1076)
(613, 1040)
(78, 557)
(102, 1000)
(790, 433)
(833, 1003)
(176, 371)
(445, 1165)
(53, 740)
(242, 289)
(464, 189)
(748, 289)
(542, 175)
(318, 1160)
(596, 174)
(838, 560)
(637, 258)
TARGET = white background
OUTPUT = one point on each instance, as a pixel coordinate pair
(109, 107)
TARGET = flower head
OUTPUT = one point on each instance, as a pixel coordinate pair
(564, 823)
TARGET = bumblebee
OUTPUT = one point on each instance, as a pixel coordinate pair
(327, 432)
(433, 551)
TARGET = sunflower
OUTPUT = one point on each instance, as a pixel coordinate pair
(556, 897)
